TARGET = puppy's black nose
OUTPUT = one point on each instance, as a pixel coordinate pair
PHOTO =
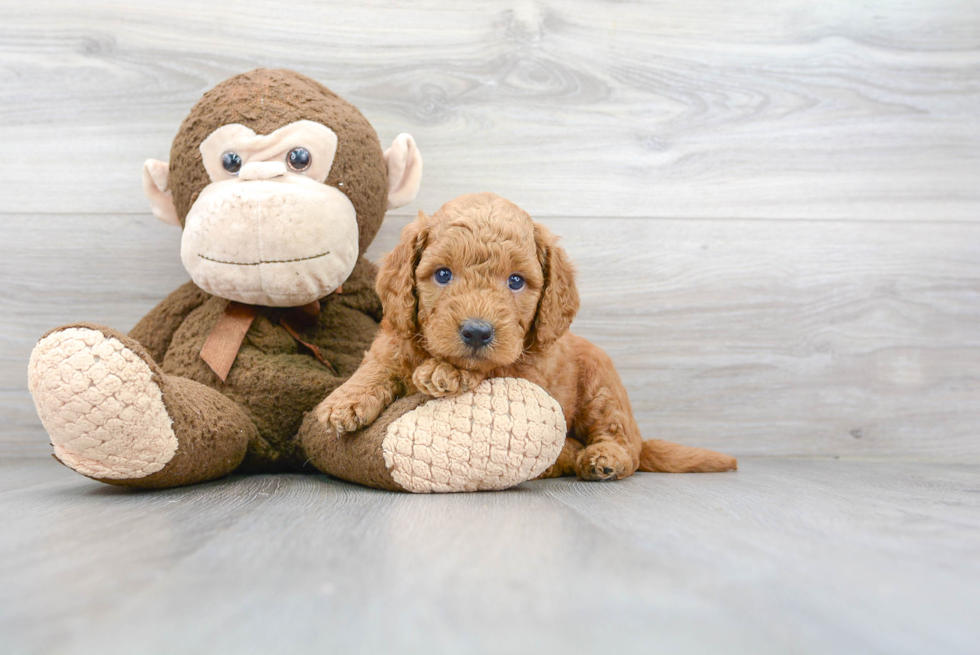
(476, 334)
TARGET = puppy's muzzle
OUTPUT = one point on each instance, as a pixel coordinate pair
(476, 333)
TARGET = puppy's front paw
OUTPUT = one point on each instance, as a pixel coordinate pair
(348, 412)
(605, 460)
(441, 379)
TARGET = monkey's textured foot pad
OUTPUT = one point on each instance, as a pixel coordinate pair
(99, 403)
(502, 433)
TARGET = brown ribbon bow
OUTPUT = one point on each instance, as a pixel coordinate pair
(225, 339)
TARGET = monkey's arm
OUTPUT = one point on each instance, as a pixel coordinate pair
(156, 329)
(359, 293)
(374, 386)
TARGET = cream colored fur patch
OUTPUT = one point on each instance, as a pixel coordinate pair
(98, 402)
(502, 433)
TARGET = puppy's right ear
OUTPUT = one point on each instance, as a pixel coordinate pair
(559, 297)
(396, 280)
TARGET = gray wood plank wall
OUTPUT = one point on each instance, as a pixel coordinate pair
(773, 205)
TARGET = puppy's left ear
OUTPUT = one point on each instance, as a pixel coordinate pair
(396, 280)
(559, 296)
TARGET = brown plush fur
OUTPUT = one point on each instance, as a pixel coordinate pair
(265, 100)
(254, 419)
(483, 239)
(274, 379)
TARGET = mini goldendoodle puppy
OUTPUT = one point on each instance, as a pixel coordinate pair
(479, 290)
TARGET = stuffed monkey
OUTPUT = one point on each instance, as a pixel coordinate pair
(279, 186)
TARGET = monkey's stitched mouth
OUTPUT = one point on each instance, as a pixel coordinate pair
(265, 261)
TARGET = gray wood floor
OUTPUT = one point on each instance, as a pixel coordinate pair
(784, 556)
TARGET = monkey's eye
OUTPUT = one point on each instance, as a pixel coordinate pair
(442, 277)
(515, 282)
(231, 162)
(299, 159)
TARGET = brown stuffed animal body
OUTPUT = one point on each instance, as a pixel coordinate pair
(279, 186)
(480, 291)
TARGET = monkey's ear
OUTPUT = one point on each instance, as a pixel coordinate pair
(404, 170)
(156, 186)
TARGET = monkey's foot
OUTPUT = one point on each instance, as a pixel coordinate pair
(502, 433)
(101, 403)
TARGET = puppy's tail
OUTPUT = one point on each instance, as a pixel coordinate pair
(665, 457)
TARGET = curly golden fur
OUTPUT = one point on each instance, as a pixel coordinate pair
(423, 344)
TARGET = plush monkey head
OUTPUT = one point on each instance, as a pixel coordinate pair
(279, 185)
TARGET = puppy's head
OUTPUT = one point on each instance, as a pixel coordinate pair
(478, 284)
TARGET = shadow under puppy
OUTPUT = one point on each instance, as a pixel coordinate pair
(479, 290)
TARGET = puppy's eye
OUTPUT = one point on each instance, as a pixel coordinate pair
(515, 282)
(299, 159)
(231, 162)
(442, 277)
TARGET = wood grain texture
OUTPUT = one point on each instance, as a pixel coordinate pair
(755, 337)
(774, 208)
(801, 556)
(784, 109)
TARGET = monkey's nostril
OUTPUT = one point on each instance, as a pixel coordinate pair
(476, 333)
